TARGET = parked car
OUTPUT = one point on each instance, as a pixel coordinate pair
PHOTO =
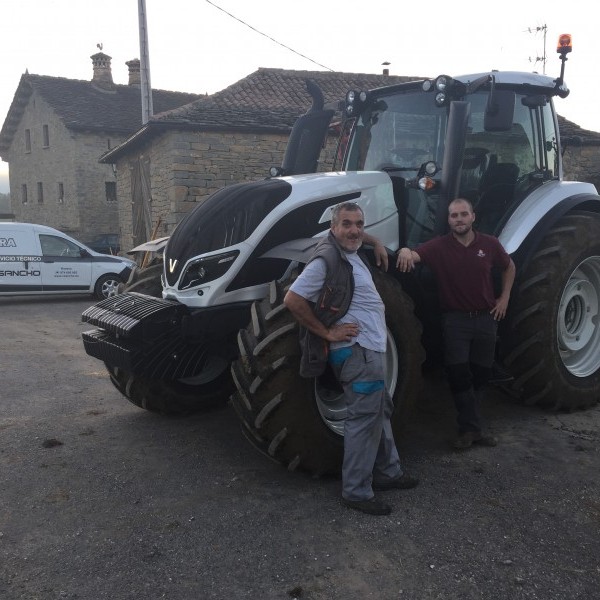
(106, 243)
(35, 259)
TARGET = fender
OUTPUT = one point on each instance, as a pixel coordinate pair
(536, 215)
(299, 250)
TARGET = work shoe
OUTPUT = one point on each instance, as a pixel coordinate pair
(404, 482)
(499, 375)
(466, 440)
(370, 507)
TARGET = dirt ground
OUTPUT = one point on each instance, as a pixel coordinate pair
(99, 499)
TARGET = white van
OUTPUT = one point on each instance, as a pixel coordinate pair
(35, 259)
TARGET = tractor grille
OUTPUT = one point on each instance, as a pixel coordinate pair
(132, 315)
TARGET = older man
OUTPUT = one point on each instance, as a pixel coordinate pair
(346, 324)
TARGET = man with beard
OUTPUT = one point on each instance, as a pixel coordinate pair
(343, 319)
(462, 262)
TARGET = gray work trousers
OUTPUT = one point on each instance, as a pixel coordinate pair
(369, 447)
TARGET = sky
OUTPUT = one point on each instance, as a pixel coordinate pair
(195, 46)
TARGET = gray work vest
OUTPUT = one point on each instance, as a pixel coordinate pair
(332, 304)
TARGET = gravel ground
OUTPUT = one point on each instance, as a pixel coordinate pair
(99, 499)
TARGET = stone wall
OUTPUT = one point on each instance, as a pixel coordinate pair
(582, 164)
(70, 159)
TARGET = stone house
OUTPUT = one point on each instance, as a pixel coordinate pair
(53, 135)
(581, 160)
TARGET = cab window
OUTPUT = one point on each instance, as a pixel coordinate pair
(57, 246)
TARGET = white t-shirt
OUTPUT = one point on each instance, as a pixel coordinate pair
(366, 307)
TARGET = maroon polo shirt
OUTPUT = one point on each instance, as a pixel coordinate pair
(464, 273)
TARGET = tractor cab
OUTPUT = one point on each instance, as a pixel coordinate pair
(491, 138)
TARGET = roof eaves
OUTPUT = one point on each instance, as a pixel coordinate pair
(112, 155)
(155, 128)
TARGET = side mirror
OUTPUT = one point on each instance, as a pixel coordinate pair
(534, 101)
(500, 110)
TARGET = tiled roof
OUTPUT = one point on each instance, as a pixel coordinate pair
(269, 93)
(83, 106)
(269, 88)
(570, 129)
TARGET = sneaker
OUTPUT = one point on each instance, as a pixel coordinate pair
(466, 440)
(370, 507)
(404, 482)
(500, 375)
(486, 440)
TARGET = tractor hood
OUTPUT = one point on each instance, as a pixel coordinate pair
(219, 247)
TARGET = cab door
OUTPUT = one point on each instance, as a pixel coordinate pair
(65, 266)
(20, 261)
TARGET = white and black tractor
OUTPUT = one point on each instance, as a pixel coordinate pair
(405, 152)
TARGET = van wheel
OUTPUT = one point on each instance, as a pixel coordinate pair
(107, 286)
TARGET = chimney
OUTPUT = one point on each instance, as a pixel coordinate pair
(102, 73)
(134, 71)
(386, 71)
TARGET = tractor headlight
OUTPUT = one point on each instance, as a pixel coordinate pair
(203, 270)
(442, 83)
(440, 99)
(354, 102)
(445, 88)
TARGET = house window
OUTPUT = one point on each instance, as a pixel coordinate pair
(24, 193)
(46, 136)
(111, 191)
(61, 192)
(27, 140)
(40, 190)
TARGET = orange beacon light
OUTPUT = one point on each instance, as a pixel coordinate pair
(565, 44)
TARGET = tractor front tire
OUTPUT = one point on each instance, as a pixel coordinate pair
(171, 397)
(299, 422)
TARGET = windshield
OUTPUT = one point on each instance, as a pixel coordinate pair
(399, 132)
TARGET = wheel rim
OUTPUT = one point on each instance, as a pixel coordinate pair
(578, 325)
(214, 367)
(110, 288)
(329, 396)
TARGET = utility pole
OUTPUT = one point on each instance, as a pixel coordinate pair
(543, 58)
(146, 86)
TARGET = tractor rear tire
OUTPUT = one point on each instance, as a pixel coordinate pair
(299, 422)
(553, 334)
